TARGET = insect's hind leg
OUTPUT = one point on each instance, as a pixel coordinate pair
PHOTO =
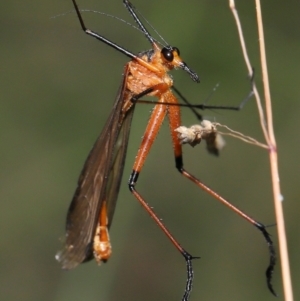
(174, 122)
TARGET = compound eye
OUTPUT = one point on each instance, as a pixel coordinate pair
(168, 54)
(177, 50)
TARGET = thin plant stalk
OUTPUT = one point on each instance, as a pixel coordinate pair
(267, 128)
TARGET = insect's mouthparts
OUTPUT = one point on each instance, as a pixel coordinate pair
(194, 76)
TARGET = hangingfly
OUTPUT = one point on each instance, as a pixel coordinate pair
(91, 211)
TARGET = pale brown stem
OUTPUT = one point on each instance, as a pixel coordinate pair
(268, 131)
(284, 258)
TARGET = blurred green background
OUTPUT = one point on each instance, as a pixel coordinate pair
(57, 89)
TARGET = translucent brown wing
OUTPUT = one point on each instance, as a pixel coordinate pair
(99, 180)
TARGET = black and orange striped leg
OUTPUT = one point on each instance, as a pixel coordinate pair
(175, 123)
(151, 132)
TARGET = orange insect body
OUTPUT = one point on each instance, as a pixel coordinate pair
(149, 71)
(91, 211)
(138, 79)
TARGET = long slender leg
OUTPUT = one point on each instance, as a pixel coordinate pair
(151, 132)
(174, 121)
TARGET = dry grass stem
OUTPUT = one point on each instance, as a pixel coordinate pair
(267, 128)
